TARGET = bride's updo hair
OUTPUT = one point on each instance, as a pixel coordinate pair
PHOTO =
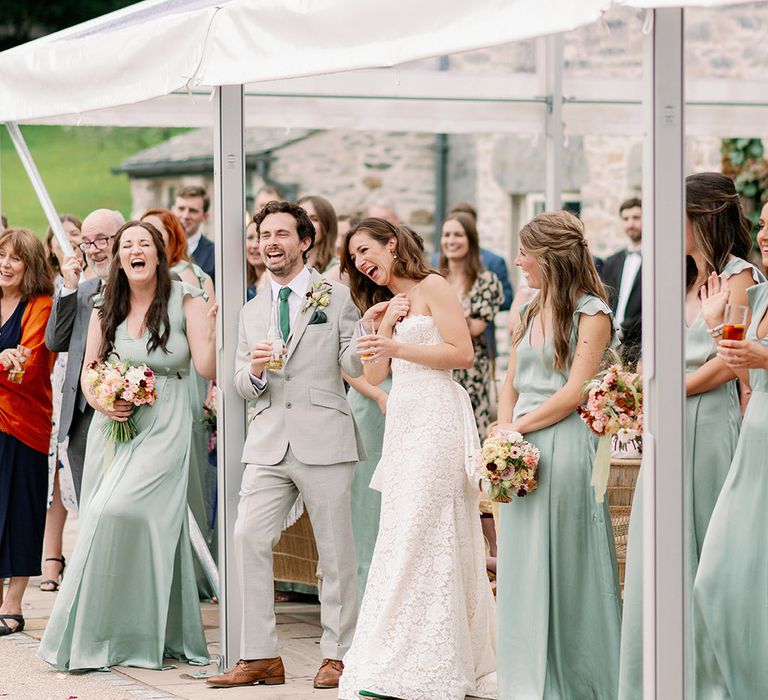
(557, 241)
(408, 260)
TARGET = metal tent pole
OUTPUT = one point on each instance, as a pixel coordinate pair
(39, 186)
(229, 212)
(663, 359)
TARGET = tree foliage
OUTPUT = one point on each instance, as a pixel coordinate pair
(743, 161)
(23, 21)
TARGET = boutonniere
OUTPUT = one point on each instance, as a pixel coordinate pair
(319, 295)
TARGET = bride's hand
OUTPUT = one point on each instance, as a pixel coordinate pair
(714, 296)
(376, 347)
(397, 309)
(376, 313)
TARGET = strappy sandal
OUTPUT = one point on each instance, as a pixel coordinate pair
(50, 581)
(6, 629)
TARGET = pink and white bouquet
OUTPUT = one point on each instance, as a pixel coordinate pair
(111, 380)
(615, 406)
(613, 412)
(508, 463)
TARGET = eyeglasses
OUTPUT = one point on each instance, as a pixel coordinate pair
(99, 243)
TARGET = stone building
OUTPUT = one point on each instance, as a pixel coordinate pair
(503, 175)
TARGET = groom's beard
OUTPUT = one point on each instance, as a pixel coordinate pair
(285, 265)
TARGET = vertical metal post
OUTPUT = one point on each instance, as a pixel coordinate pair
(229, 212)
(663, 359)
(553, 78)
(39, 186)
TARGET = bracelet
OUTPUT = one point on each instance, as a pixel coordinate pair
(716, 332)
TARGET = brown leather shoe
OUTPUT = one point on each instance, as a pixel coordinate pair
(329, 674)
(266, 671)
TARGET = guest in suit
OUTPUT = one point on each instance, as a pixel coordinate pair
(301, 441)
(25, 415)
(61, 490)
(622, 276)
(191, 206)
(67, 329)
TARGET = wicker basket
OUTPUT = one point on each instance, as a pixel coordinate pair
(295, 556)
(621, 490)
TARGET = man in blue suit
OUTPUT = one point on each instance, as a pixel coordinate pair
(191, 206)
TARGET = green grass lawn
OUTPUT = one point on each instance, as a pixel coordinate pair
(75, 164)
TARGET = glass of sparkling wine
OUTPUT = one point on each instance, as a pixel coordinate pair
(735, 322)
(17, 375)
(365, 327)
(275, 362)
(274, 335)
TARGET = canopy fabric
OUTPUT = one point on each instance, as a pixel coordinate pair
(159, 47)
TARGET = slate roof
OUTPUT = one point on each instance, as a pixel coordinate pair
(192, 152)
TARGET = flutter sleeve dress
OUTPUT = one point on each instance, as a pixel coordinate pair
(129, 596)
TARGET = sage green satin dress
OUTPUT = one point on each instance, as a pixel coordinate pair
(129, 596)
(198, 497)
(730, 595)
(558, 595)
(366, 502)
(712, 422)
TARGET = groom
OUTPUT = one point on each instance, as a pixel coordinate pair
(301, 440)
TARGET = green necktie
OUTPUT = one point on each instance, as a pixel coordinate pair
(285, 314)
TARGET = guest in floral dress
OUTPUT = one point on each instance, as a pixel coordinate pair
(481, 296)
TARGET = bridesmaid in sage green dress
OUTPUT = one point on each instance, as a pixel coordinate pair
(713, 417)
(129, 596)
(369, 413)
(558, 590)
(730, 615)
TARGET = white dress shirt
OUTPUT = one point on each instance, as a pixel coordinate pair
(193, 241)
(632, 263)
(298, 286)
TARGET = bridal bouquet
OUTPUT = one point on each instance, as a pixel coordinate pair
(613, 411)
(508, 463)
(117, 379)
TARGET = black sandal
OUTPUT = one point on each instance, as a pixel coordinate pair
(50, 581)
(6, 628)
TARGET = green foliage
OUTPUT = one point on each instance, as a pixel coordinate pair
(75, 164)
(25, 20)
(744, 162)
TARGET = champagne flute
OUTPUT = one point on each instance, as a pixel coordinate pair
(365, 327)
(735, 322)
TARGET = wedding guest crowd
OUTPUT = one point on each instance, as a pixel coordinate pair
(371, 379)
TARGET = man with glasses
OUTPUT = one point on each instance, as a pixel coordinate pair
(67, 329)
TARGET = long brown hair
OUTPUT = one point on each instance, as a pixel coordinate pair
(557, 241)
(117, 296)
(473, 263)
(37, 279)
(718, 223)
(326, 215)
(53, 261)
(176, 250)
(408, 261)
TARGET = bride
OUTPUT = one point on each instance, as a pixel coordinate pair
(426, 628)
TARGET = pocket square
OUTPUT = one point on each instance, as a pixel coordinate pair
(318, 316)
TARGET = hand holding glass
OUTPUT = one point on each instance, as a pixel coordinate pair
(735, 322)
(365, 327)
(17, 375)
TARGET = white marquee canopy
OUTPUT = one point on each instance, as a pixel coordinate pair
(329, 64)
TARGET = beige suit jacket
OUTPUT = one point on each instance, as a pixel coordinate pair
(304, 404)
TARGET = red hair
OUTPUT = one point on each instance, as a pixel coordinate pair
(177, 239)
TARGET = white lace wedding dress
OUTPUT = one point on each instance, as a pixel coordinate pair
(427, 625)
